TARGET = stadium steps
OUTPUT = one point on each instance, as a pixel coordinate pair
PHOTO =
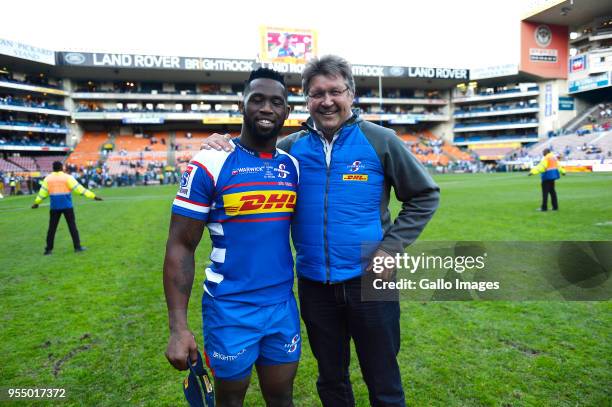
(18, 167)
(574, 142)
(9, 166)
(600, 137)
(605, 142)
(454, 153)
(88, 150)
(577, 121)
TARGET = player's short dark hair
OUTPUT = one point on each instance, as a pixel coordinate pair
(546, 151)
(57, 166)
(266, 73)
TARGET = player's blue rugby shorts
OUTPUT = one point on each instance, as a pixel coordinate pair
(238, 335)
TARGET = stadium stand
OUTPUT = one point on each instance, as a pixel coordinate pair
(45, 163)
(7, 166)
(32, 140)
(187, 144)
(599, 119)
(26, 163)
(134, 153)
(455, 153)
(36, 80)
(88, 150)
(409, 138)
(432, 150)
(151, 122)
(10, 100)
(487, 153)
(577, 147)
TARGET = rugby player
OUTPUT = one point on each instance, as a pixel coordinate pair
(246, 199)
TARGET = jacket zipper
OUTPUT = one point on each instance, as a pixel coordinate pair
(325, 205)
(325, 240)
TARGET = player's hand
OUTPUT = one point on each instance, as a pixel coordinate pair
(34, 206)
(98, 198)
(218, 142)
(181, 344)
(387, 273)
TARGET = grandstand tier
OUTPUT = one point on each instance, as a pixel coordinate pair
(88, 150)
(129, 121)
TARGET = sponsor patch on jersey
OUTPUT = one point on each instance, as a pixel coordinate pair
(247, 170)
(354, 177)
(254, 202)
(186, 181)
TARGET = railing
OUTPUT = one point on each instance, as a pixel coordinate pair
(576, 122)
(485, 124)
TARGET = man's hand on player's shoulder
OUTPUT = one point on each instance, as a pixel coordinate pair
(218, 142)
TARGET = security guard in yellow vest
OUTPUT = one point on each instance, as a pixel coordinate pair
(549, 170)
(59, 186)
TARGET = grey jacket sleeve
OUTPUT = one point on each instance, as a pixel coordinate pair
(413, 187)
(286, 143)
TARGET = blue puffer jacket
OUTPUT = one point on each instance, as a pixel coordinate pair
(342, 213)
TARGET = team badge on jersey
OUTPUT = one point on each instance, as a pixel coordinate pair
(186, 180)
(281, 171)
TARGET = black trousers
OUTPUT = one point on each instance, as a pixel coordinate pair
(548, 187)
(335, 314)
(54, 217)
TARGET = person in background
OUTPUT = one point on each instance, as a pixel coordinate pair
(59, 187)
(550, 171)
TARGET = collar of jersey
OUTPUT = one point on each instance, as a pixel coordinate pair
(254, 153)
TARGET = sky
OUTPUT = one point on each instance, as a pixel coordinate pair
(431, 33)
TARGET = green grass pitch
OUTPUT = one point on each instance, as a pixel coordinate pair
(95, 323)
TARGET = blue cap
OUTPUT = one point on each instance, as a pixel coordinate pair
(197, 383)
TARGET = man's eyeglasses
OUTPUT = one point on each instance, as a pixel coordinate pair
(333, 93)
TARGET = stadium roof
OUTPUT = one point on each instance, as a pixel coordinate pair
(571, 13)
(137, 67)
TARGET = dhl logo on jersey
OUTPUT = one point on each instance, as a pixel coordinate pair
(254, 202)
(354, 177)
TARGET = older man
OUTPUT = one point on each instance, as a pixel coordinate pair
(348, 167)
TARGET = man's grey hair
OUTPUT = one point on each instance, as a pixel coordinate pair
(328, 65)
